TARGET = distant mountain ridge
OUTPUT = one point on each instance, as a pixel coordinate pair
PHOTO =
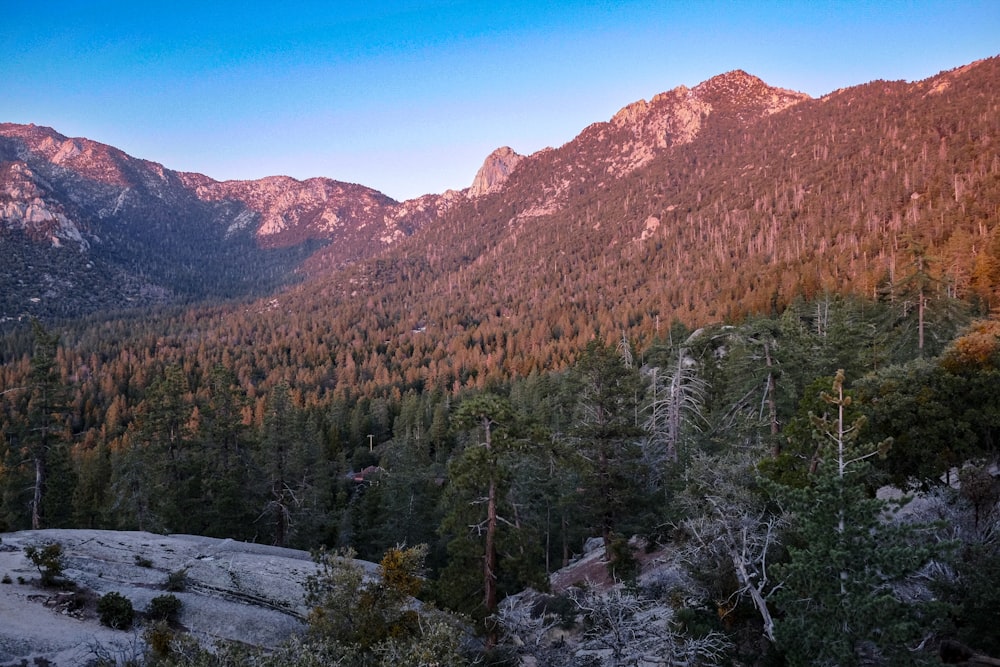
(113, 231)
(283, 209)
(88, 227)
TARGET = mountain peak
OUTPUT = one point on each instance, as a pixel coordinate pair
(734, 77)
(98, 162)
(495, 171)
(741, 91)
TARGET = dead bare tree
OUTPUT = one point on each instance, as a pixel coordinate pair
(678, 394)
(745, 539)
(623, 629)
(729, 525)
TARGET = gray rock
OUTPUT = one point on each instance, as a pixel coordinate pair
(235, 591)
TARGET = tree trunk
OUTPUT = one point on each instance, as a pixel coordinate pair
(920, 322)
(280, 516)
(772, 406)
(36, 499)
(758, 600)
(607, 520)
(490, 555)
(565, 540)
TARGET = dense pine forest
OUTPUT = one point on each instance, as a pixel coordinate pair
(698, 444)
(715, 369)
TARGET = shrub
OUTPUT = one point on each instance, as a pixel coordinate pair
(176, 580)
(6, 579)
(142, 561)
(159, 637)
(164, 608)
(622, 564)
(48, 560)
(559, 606)
(116, 611)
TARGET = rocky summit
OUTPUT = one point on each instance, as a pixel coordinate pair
(495, 171)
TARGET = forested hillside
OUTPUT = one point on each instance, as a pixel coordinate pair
(725, 352)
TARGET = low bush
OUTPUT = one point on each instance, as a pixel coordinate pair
(159, 637)
(116, 611)
(176, 580)
(164, 608)
(48, 560)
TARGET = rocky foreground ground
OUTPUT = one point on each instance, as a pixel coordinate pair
(234, 591)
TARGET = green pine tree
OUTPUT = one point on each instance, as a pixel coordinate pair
(606, 432)
(491, 550)
(37, 462)
(839, 600)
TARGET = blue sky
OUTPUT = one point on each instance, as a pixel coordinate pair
(409, 97)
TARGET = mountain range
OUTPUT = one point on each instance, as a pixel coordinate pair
(712, 202)
(90, 226)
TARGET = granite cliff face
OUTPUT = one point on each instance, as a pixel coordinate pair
(23, 207)
(495, 171)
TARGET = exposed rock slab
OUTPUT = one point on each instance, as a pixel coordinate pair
(235, 591)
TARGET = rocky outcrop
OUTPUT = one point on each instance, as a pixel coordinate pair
(746, 94)
(287, 212)
(636, 134)
(642, 130)
(234, 591)
(23, 207)
(495, 171)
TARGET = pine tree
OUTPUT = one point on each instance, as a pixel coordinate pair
(491, 417)
(923, 313)
(839, 594)
(224, 443)
(296, 474)
(410, 491)
(38, 451)
(91, 498)
(164, 438)
(132, 494)
(275, 460)
(607, 434)
(491, 549)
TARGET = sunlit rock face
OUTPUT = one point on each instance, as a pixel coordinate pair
(24, 207)
(610, 150)
(114, 231)
(495, 171)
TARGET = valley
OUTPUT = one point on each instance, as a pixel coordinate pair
(684, 333)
